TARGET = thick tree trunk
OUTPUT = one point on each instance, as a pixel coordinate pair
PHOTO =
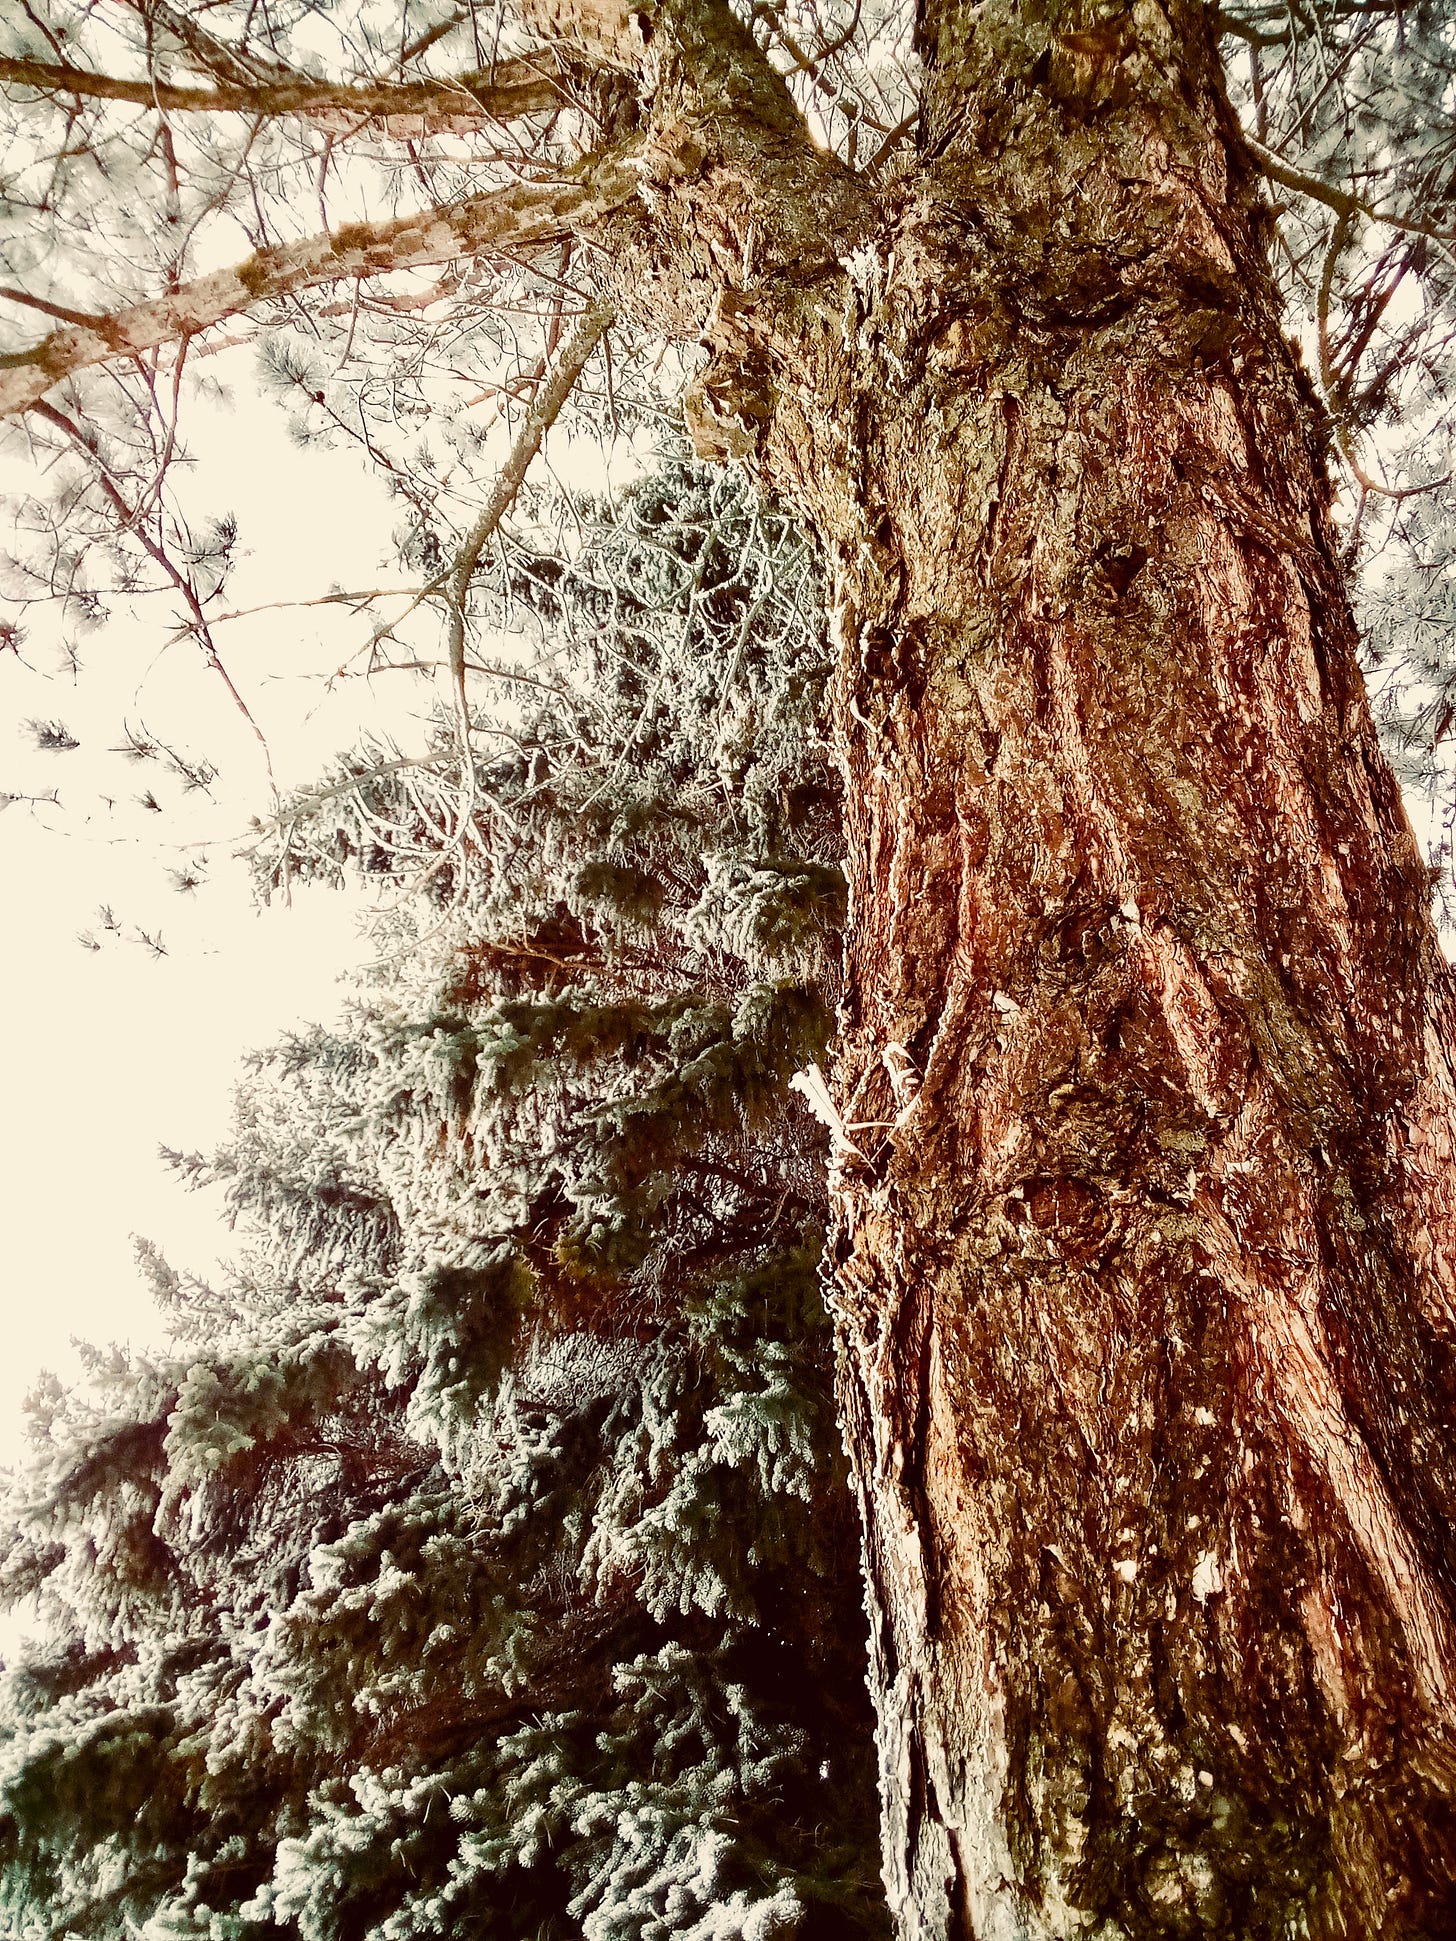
(1144, 1258)
(1145, 1261)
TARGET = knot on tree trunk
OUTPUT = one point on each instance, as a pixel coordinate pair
(726, 408)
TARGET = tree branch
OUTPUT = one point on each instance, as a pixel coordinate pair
(213, 56)
(85, 318)
(129, 519)
(1343, 201)
(1249, 29)
(522, 216)
(544, 411)
(512, 89)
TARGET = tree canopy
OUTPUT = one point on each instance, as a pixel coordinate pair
(405, 208)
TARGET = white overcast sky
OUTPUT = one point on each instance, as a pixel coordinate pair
(106, 1055)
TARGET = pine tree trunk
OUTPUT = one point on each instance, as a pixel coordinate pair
(1145, 1260)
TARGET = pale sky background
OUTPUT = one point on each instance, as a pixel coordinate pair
(106, 1055)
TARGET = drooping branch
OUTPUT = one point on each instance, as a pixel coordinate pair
(508, 91)
(524, 216)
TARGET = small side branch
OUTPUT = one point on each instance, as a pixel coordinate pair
(544, 411)
(1344, 202)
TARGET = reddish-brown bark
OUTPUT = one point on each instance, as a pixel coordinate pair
(1145, 1256)
(1145, 1260)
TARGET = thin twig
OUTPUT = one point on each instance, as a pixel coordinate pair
(127, 515)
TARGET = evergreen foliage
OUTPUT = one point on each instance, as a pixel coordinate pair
(477, 1561)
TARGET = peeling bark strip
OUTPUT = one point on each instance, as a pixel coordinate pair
(514, 218)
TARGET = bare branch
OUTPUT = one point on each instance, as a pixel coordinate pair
(86, 318)
(522, 216)
(544, 411)
(427, 39)
(1335, 389)
(1287, 18)
(355, 600)
(130, 521)
(892, 140)
(1343, 201)
(513, 89)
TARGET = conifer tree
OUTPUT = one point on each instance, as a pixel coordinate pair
(479, 1559)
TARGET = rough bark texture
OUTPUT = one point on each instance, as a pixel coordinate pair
(1144, 1260)
(1146, 1272)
